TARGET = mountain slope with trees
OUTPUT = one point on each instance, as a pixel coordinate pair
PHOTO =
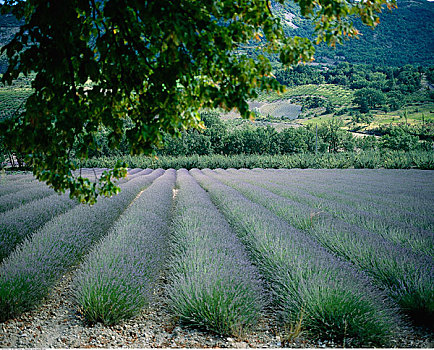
(404, 35)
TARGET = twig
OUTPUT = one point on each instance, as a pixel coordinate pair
(267, 2)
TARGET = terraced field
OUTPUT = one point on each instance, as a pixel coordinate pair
(343, 257)
(336, 94)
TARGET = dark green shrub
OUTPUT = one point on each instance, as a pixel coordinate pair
(398, 138)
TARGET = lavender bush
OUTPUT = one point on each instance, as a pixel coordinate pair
(329, 297)
(28, 274)
(14, 181)
(407, 277)
(134, 171)
(398, 232)
(90, 173)
(212, 283)
(116, 280)
(134, 174)
(13, 200)
(19, 223)
(93, 174)
(14, 177)
(415, 208)
(409, 211)
(9, 188)
(396, 183)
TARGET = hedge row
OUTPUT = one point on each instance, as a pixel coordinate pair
(367, 159)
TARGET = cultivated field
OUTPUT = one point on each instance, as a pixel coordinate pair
(337, 257)
(338, 95)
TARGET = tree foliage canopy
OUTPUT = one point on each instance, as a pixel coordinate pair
(144, 68)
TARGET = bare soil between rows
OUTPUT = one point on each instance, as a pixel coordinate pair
(57, 323)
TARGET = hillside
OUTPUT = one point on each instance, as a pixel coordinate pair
(404, 36)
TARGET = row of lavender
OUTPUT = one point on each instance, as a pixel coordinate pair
(405, 275)
(116, 280)
(20, 193)
(212, 282)
(402, 195)
(308, 285)
(28, 212)
(379, 218)
(383, 209)
(30, 271)
(23, 189)
(213, 285)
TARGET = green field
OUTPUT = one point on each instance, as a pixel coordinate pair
(338, 95)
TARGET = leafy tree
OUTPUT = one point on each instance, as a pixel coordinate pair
(430, 74)
(3, 153)
(191, 142)
(234, 142)
(335, 137)
(395, 99)
(216, 129)
(148, 64)
(366, 143)
(360, 83)
(409, 79)
(196, 142)
(358, 117)
(398, 138)
(368, 98)
(293, 140)
(299, 75)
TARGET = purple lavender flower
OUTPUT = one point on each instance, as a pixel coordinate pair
(27, 275)
(389, 264)
(19, 223)
(116, 280)
(213, 285)
(308, 284)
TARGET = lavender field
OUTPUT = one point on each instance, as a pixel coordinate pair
(344, 256)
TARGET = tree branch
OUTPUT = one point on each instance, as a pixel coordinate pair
(267, 2)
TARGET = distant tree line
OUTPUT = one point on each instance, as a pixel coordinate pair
(218, 138)
(430, 74)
